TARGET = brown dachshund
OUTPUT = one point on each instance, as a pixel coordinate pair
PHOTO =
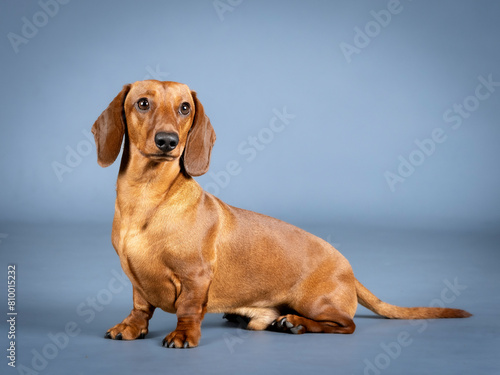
(189, 253)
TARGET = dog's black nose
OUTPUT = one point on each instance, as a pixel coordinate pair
(166, 141)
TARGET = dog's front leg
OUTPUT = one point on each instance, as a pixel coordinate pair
(134, 326)
(191, 306)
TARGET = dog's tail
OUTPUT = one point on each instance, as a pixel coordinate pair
(368, 300)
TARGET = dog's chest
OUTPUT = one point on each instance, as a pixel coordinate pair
(143, 260)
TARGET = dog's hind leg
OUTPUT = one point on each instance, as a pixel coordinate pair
(331, 321)
(325, 301)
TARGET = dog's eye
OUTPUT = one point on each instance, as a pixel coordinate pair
(185, 108)
(143, 104)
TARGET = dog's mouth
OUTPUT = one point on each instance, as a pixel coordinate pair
(159, 156)
(165, 157)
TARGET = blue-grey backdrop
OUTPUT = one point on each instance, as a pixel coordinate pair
(384, 112)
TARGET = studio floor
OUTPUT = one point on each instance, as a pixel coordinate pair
(70, 290)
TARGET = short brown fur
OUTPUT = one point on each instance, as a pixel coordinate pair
(187, 252)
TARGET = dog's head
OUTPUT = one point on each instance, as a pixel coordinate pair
(164, 121)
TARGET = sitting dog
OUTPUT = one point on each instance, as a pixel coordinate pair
(188, 253)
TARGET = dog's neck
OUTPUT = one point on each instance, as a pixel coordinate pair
(147, 180)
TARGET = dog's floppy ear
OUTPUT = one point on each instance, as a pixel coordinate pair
(109, 129)
(199, 143)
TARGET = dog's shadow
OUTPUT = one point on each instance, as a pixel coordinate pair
(240, 322)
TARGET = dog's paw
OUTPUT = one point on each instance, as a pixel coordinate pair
(288, 323)
(125, 331)
(182, 339)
